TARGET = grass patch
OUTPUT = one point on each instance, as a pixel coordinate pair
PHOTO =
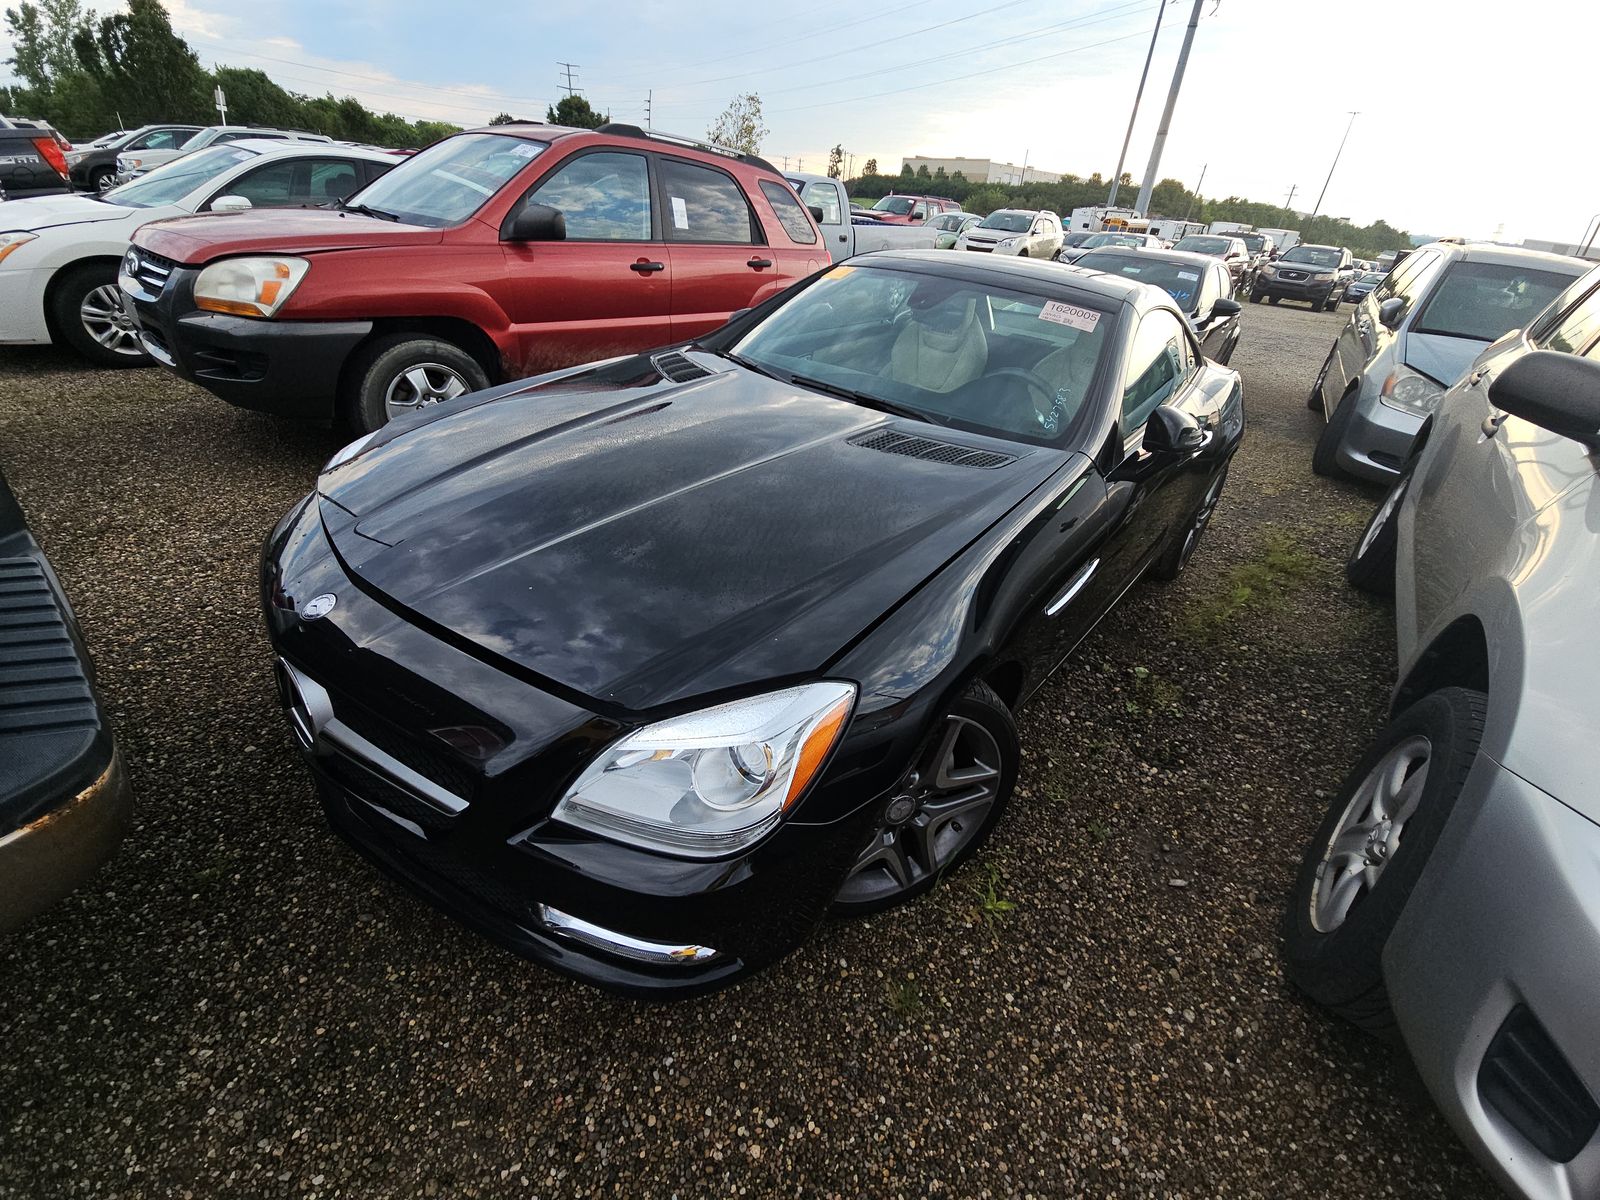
(1099, 831)
(992, 906)
(905, 998)
(1260, 585)
(1152, 694)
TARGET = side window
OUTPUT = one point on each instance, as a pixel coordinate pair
(826, 197)
(1573, 329)
(371, 170)
(703, 205)
(1210, 289)
(161, 139)
(331, 179)
(1158, 362)
(789, 213)
(1399, 281)
(271, 186)
(605, 197)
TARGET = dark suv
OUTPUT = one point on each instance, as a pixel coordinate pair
(1316, 274)
(31, 162)
(92, 167)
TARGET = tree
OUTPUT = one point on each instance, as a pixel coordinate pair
(958, 178)
(940, 175)
(871, 167)
(906, 172)
(740, 126)
(836, 162)
(137, 58)
(922, 171)
(503, 118)
(576, 112)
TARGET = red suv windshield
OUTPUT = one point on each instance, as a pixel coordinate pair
(450, 180)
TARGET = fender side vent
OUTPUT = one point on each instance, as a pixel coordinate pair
(678, 368)
(887, 441)
(1526, 1079)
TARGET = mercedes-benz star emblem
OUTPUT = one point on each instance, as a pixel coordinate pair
(319, 606)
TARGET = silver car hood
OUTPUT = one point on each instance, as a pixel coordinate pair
(1445, 359)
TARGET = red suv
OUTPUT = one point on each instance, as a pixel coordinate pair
(493, 254)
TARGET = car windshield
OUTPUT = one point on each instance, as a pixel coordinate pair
(898, 205)
(1372, 277)
(1078, 239)
(1254, 242)
(172, 181)
(1112, 239)
(450, 180)
(1203, 245)
(1313, 256)
(1181, 281)
(1008, 222)
(1482, 301)
(975, 355)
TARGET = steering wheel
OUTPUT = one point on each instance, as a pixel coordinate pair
(1009, 388)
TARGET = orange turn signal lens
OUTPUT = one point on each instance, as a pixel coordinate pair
(815, 748)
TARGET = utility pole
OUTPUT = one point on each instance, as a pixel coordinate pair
(785, 164)
(1195, 195)
(570, 87)
(1166, 115)
(1293, 187)
(1116, 178)
(1025, 154)
(1335, 163)
(649, 99)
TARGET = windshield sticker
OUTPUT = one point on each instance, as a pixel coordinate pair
(523, 150)
(839, 272)
(1188, 275)
(680, 213)
(1070, 314)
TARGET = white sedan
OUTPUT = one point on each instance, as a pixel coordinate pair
(59, 254)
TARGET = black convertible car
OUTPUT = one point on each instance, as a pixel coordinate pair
(642, 667)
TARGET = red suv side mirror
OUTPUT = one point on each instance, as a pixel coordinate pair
(536, 223)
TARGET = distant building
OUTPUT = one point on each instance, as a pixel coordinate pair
(1572, 248)
(982, 170)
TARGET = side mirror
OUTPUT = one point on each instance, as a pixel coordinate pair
(1558, 392)
(1390, 312)
(816, 212)
(536, 223)
(1173, 431)
(230, 204)
(1224, 307)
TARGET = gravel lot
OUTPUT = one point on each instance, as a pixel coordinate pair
(239, 1006)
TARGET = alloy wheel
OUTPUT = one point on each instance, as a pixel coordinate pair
(105, 321)
(943, 805)
(1202, 518)
(1368, 834)
(421, 385)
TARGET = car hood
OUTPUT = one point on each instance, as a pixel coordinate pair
(200, 239)
(642, 545)
(1442, 358)
(49, 212)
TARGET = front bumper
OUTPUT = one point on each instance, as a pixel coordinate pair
(22, 320)
(1313, 291)
(288, 368)
(1378, 439)
(1506, 917)
(472, 835)
(53, 854)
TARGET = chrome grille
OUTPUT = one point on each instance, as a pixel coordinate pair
(151, 271)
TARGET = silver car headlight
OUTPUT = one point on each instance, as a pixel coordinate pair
(1323, 276)
(1009, 242)
(715, 781)
(1411, 392)
(248, 287)
(1270, 269)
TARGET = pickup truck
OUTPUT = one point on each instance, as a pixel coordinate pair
(32, 163)
(846, 234)
(64, 799)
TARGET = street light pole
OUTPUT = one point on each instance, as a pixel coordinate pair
(1143, 203)
(1116, 179)
(1335, 163)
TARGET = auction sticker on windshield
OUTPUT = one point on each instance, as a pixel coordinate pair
(1070, 314)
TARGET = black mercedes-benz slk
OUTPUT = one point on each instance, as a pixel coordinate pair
(641, 668)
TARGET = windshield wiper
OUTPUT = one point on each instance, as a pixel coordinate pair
(750, 364)
(867, 400)
(368, 211)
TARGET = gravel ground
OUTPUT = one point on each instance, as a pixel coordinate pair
(238, 1005)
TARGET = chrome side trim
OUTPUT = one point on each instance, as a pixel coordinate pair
(1073, 588)
(661, 954)
(311, 713)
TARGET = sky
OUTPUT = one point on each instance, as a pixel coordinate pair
(1467, 111)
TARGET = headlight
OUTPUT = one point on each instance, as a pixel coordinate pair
(1323, 276)
(1270, 269)
(249, 287)
(1410, 392)
(1009, 242)
(129, 164)
(10, 241)
(347, 453)
(714, 781)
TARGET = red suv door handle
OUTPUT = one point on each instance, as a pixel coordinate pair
(645, 267)
(757, 264)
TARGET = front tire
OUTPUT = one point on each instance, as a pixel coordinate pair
(1366, 857)
(100, 179)
(403, 372)
(1325, 455)
(944, 809)
(1255, 297)
(86, 314)
(1181, 548)
(1370, 566)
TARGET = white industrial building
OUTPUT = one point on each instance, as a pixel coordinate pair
(983, 170)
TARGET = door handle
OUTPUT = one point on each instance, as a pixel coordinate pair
(757, 264)
(645, 267)
(1072, 589)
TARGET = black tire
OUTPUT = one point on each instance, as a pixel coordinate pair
(1332, 305)
(1340, 964)
(1325, 455)
(1273, 299)
(1186, 538)
(69, 295)
(1370, 566)
(99, 177)
(384, 360)
(860, 894)
(1255, 297)
(1314, 397)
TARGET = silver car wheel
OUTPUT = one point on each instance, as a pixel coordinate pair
(420, 385)
(104, 321)
(943, 805)
(1368, 834)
